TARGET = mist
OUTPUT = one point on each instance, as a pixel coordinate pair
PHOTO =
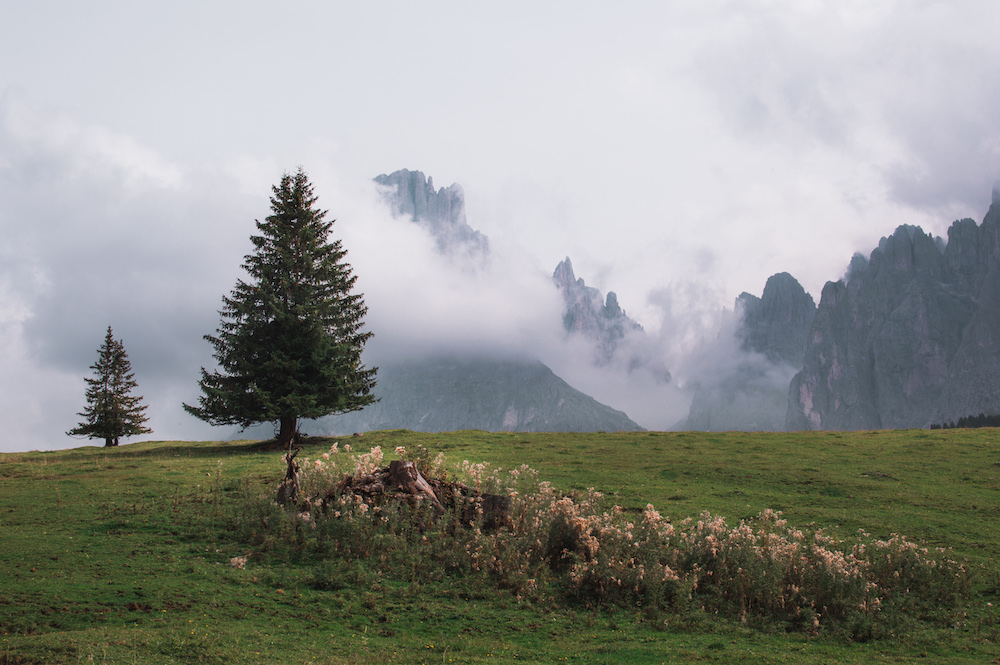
(424, 303)
(101, 231)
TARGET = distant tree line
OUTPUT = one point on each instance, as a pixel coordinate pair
(970, 422)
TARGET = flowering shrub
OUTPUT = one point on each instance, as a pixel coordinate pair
(421, 457)
(550, 545)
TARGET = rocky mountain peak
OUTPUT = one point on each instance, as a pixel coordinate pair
(777, 323)
(751, 394)
(604, 322)
(442, 211)
(563, 275)
(612, 310)
(907, 251)
(908, 339)
(587, 310)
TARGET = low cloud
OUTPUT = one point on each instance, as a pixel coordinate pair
(100, 231)
(422, 302)
(730, 142)
(908, 91)
(152, 257)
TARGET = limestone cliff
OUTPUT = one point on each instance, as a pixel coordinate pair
(777, 324)
(910, 337)
(601, 320)
(442, 211)
(750, 391)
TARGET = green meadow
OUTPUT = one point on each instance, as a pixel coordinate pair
(126, 555)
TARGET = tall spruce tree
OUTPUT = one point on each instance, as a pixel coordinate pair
(290, 341)
(112, 411)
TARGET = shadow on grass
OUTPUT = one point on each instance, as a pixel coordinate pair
(213, 449)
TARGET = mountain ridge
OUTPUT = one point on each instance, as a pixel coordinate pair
(449, 393)
(601, 319)
(751, 393)
(909, 338)
(441, 211)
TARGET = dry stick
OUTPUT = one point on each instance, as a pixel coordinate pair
(289, 489)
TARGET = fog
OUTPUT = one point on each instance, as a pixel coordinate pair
(426, 303)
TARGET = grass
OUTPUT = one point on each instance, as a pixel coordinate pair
(123, 555)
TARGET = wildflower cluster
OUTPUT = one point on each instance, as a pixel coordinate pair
(486, 478)
(421, 457)
(535, 542)
(366, 463)
(325, 471)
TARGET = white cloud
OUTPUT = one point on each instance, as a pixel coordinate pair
(421, 301)
(80, 152)
(98, 230)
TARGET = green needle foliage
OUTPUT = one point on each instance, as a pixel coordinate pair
(290, 341)
(111, 411)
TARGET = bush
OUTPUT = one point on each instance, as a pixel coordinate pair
(576, 548)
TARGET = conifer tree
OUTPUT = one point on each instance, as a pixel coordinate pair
(290, 341)
(112, 411)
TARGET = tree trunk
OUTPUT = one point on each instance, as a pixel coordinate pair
(286, 435)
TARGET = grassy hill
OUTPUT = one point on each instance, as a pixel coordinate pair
(126, 555)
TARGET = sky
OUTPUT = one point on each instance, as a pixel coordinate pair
(679, 152)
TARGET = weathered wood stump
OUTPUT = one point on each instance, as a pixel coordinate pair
(496, 511)
(402, 480)
(405, 476)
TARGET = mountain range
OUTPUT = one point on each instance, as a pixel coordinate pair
(452, 393)
(909, 336)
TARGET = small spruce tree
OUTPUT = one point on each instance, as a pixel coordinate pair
(112, 411)
(290, 341)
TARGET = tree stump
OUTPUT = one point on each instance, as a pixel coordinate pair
(405, 476)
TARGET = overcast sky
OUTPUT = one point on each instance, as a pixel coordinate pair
(678, 152)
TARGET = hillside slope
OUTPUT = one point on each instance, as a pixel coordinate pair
(449, 394)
